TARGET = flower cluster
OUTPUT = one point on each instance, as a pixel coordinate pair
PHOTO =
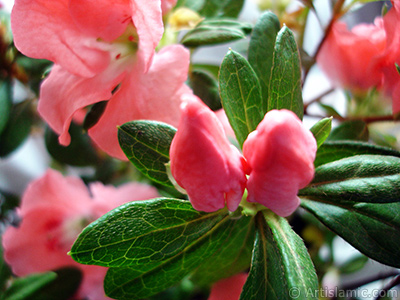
(365, 56)
(277, 158)
(54, 210)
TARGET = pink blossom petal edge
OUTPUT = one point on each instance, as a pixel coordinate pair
(280, 153)
(204, 163)
(229, 288)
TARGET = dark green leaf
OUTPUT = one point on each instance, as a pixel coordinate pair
(24, 288)
(205, 86)
(285, 90)
(373, 229)
(146, 144)
(240, 95)
(234, 257)
(360, 178)
(80, 152)
(94, 114)
(5, 272)
(261, 51)
(350, 130)
(18, 127)
(281, 266)
(331, 151)
(146, 280)
(142, 233)
(5, 103)
(62, 288)
(321, 130)
(211, 32)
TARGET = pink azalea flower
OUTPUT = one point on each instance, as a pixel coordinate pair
(280, 154)
(204, 163)
(54, 210)
(98, 46)
(229, 288)
(365, 56)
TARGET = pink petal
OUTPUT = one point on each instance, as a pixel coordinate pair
(229, 288)
(155, 95)
(62, 94)
(280, 152)
(167, 5)
(204, 163)
(147, 18)
(45, 29)
(101, 18)
(119, 195)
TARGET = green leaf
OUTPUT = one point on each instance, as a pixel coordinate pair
(140, 233)
(214, 8)
(331, 151)
(5, 103)
(146, 144)
(350, 130)
(321, 130)
(281, 266)
(138, 282)
(353, 265)
(80, 152)
(5, 272)
(329, 110)
(94, 114)
(261, 52)
(285, 90)
(234, 257)
(211, 32)
(24, 288)
(373, 229)
(360, 178)
(205, 86)
(240, 94)
(18, 127)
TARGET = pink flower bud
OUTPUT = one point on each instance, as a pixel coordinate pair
(228, 288)
(204, 163)
(280, 153)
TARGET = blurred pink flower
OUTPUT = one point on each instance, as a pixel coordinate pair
(204, 163)
(54, 210)
(278, 157)
(229, 288)
(280, 154)
(97, 47)
(365, 56)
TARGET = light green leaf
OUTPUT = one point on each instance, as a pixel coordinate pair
(321, 130)
(138, 282)
(350, 130)
(211, 32)
(261, 52)
(146, 144)
(331, 151)
(214, 8)
(360, 178)
(373, 229)
(285, 90)
(240, 94)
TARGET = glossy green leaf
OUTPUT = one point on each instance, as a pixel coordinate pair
(5, 102)
(281, 266)
(18, 127)
(360, 178)
(94, 114)
(350, 130)
(143, 232)
(240, 94)
(331, 151)
(373, 229)
(211, 32)
(261, 51)
(138, 282)
(205, 86)
(234, 257)
(80, 152)
(24, 288)
(146, 144)
(285, 89)
(321, 130)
